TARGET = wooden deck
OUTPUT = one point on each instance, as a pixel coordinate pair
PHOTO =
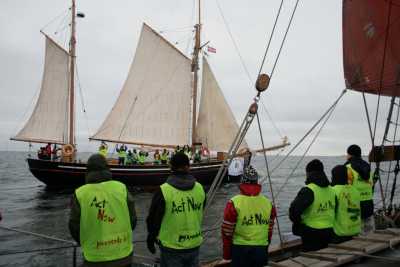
(346, 252)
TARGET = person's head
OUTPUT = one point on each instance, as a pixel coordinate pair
(180, 163)
(164, 150)
(249, 176)
(157, 151)
(353, 151)
(339, 175)
(314, 166)
(134, 151)
(97, 169)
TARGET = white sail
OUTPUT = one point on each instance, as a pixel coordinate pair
(49, 120)
(154, 105)
(216, 126)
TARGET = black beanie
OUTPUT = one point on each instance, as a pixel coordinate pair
(314, 166)
(354, 150)
(339, 175)
(179, 160)
(97, 168)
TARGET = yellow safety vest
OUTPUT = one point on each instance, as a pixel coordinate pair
(253, 219)
(363, 186)
(348, 213)
(103, 151)
(181, 224)
(105, 228)
(321, 213)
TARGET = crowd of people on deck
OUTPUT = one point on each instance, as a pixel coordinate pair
(103, 213)
(48, 153)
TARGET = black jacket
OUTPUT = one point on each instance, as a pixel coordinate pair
(363, 169)
(312, 239)
(181, 181)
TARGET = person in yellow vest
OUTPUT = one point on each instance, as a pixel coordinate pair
(157, 157)
(103, 149)
(248, 223)
(102, 217)
(347, 214)
(313, 210)
(122, 153)
(175, 217)
(164, 156)
(360, 176)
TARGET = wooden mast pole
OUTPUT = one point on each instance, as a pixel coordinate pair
(71, 134)
(195, 70)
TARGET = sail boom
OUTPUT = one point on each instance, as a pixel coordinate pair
(134, 143)
(39, 141)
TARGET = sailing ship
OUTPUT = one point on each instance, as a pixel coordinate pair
(157, 107)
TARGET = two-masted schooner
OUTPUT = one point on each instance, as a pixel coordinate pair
(157, 107)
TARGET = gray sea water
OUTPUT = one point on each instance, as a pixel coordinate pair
(27, 205)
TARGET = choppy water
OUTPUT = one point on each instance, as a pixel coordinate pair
(26, 204)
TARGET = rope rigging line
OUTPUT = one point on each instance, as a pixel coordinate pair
(269, 176)
(306, 151)
(284, 39)
(309, 131)
(57, 17)
(82, 100)
(244, 66)
(393, 143)
(270, 37)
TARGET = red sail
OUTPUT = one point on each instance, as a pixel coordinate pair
(371, 46)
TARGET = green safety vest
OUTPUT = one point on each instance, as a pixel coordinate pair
(253, 219)
(321, 213)
(348, 213)
(122, 154)
(181, 224)
(364, 187)
(141, 159)
(164, 157)
(103, 151)
(105, 228)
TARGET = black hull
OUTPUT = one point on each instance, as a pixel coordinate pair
(57, 174)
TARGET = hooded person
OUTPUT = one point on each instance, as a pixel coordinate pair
(360, 176)
(347, 212)
(248, 223)
(313, 210)
(175, 216)
(102, 217)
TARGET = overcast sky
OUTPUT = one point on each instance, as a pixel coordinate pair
(308, 78)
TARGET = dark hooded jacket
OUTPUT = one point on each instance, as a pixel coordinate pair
(363, 169)
(97, 176)
(312, 239)
(180, 180)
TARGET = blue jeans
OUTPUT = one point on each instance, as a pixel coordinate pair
(176, 258)
(249, 256)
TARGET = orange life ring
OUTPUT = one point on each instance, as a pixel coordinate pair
(67, 150)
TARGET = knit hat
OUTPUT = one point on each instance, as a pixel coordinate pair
(354, 150)
(250, 175)
(339, 175)
(97, 169)
(315, 166)
(179, 160)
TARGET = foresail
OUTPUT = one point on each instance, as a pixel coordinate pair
(153, 107)
(49, 120)
(216, 126)
(371, 46)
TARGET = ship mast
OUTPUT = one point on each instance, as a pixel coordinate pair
(72, 43)
(195, 70)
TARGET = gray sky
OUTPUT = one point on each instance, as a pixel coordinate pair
(308, 78)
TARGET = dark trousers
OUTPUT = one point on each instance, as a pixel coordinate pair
(249, 256)
(176, 258)
(315, 239)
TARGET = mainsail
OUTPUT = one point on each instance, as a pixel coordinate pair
(154, 106)
(371, 46)
(216, 126)
(49, 120)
